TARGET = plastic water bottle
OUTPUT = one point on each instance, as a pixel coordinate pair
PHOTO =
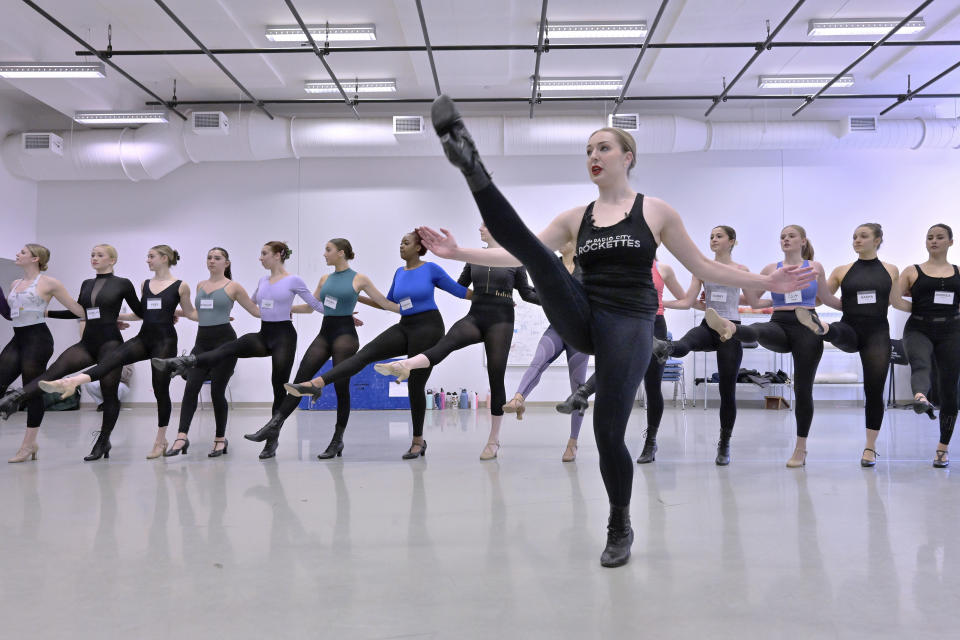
(464, 400)
(429, 395)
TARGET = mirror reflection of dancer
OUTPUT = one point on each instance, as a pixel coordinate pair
(490, 321)
(212, 307)
(867, 287)
(420, 327)
(339, 291)
(157, 338)
(933, 331)
(27, 354)
(611, 314)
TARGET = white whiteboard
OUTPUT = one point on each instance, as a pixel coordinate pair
(528, 326)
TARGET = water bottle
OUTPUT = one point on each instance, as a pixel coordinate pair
(464, 400)
(429, 395)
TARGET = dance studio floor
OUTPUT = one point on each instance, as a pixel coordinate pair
(369, 546)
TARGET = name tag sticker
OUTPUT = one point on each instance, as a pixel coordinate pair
(718, 296)
(793, 297)
(406, 304)
(154, 303)
(943, 297)
(266, 304)
(15, 313)
(206, 304)
(330, 301)
(866, 297)
(93, 313)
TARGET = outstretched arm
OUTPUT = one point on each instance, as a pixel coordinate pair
(305, 308)
(896, 293)
(827, 287)
(239, 295)
(376, 298)
(687, 298)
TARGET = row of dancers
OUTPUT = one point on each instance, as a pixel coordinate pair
(604, 292)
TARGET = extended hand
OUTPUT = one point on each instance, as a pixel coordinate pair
(791, 278)
(357, 322)
(441, 244)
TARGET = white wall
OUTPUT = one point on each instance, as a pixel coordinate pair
(373, 201)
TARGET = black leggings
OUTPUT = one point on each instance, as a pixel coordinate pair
(208, 339)
(729, 357)
(621, 342)
(925, 340)
(785, 334)
(489, 322)
(153, 341)
(414, 334)
(870, 337)
(338, 340)
(275, 339)
(26, 356)
(98, 342)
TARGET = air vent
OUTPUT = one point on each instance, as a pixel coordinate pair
(625, 121)
(41, 143)
(407, 124)
(860, 124)
(211, 123)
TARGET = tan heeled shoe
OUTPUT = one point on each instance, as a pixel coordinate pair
(25, 453)
(489, 452)
(570, 453)
(392, 369)
(64, 387)
(516, 405)
(159, 447)
(796, 461)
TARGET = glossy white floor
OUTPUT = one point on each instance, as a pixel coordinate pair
(369, 546)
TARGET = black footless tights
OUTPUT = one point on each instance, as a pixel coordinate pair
(208, 339)
(26, 356)
(785, 334)
(492, 324)
(414, 334)
(729, 357)
(621, 343)
(337, 340)
(153, 341)
(275, 339)
(924, 340)
(871, 339)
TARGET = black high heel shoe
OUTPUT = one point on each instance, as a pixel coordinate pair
(457, 144)
(270, 448)
(410, 455)
(923, 406)
(173, 451)
(174, 366)
(577, 401)
(101, 448)
(302, 389)
(661, 350)
(10, 403)
(216, 453)
(649, 453)
(267, 431)
(333, 450)
(619, 538)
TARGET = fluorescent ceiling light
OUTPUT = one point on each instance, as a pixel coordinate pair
(597, 29)
(52, 70)
(120, 117)
(337, 33)
(580, 84)
(864, 27)
(802, 82)
(356, 86)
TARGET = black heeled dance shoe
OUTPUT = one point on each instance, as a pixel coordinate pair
(174, 366)
(303, 389)
(216, 453)
(267, 431)
(410, 455)
(619, 538)
(173, 451)
(333, 450)
(10, 403)
(457, 144)
(101, 448)
(577, 401)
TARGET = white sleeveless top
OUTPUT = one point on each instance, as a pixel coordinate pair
(27, 307)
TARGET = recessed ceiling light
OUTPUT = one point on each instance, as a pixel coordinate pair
(802, 81)
(336, 33)
(120, 117)
(355, 86)
(580, 84)
(52, 70)
(862, 27)
(596, 29)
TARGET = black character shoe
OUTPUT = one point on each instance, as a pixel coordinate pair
(866, 462)
(333, 450)
(10, 403)
(723, 452)
(922, 405)
(649, 453)
(174, 366)
(457, 143)
(421, 451)
(303, 389)
(270, 448)
(175, 450)
(576, 402)
(619, 538)
(267, 431)
(101, 448)
(661, 350)
(216, 453)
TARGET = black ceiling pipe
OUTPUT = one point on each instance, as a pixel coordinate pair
(643, 50)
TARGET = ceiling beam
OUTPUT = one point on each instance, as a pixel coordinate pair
(426, 40)
(913, 94)
(643, 50)
(536, 68)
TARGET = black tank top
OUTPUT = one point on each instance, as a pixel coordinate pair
(865, 290)
(936, 297)
(159, 308)
(617, 261)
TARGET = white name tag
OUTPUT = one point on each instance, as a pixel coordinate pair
(266, 304)
(406, 304)
(14, 313)
(943, 297)
(206, 304)
(866, 297)
(330, 301)
(93, 313)
(793, 297)
(718, 296)
(154, 303)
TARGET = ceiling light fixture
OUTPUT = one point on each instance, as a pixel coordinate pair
(357, 86)
(320, 33)
(596, 30)
(120, 117)
(580, 84)
(802, 81)
(862, 27)
(52, 70)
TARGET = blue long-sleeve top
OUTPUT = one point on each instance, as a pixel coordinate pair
(413, 289)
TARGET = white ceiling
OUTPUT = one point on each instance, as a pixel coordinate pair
(141, 24)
